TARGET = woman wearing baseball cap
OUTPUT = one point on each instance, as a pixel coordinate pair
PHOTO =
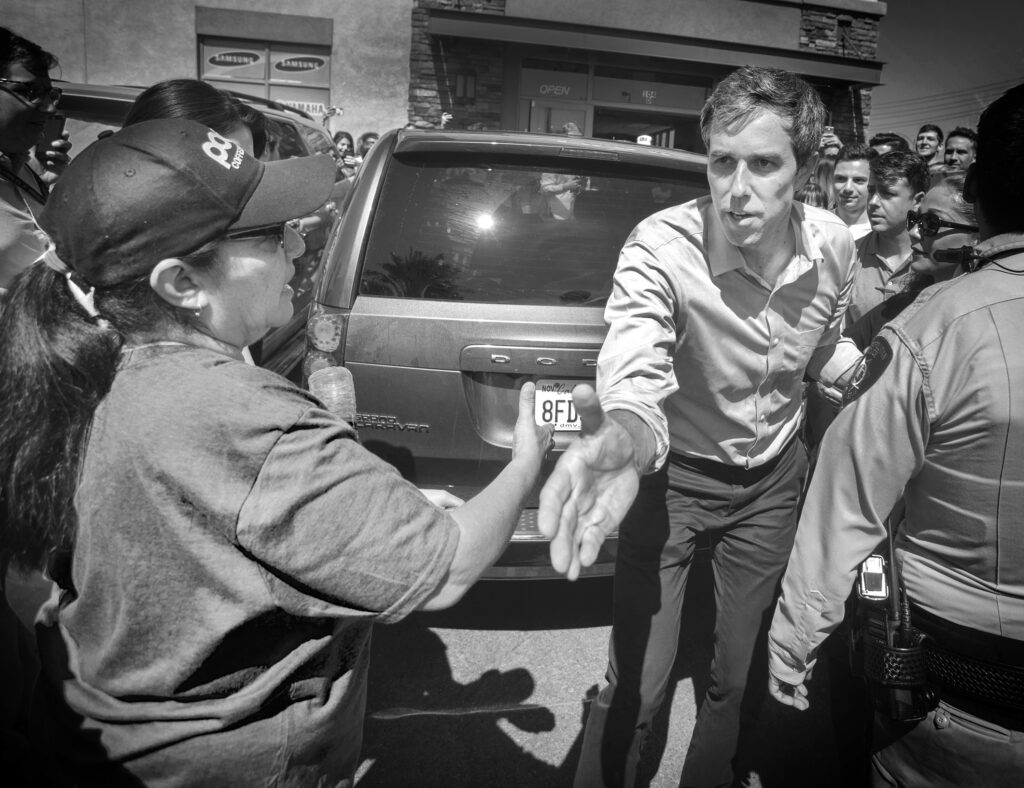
(220, 543)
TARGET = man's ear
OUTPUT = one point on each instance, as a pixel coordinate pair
(172, 280)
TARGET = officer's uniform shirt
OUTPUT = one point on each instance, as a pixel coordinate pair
(710, 355)
(940, 411)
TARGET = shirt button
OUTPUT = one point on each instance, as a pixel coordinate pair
(941, 719)
(775, 342)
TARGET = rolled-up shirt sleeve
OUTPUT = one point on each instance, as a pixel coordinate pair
(860, 475)
(836, 354)
(635, 371)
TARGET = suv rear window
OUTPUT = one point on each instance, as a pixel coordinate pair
(489, 233)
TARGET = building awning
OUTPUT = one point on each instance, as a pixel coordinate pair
(525, 31)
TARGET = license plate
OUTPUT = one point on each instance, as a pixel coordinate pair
(554, 405)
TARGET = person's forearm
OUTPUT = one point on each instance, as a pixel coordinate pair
(486, 523)
(645, 445)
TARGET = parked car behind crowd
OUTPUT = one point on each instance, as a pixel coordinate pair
(447, 285)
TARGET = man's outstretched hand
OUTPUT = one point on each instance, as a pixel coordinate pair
(590, 490)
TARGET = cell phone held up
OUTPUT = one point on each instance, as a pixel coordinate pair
(53, 130)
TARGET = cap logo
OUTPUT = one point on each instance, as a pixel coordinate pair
(219, 149)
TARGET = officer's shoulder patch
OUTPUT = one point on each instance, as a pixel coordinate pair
(869, 369)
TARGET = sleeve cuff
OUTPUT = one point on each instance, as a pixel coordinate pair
(650, 452)
(837, 360)
(779, 667)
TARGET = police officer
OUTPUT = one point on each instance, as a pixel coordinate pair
(937, 416)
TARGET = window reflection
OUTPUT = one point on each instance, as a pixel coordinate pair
(485, 233)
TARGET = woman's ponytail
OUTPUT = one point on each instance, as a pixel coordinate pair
(56, 365)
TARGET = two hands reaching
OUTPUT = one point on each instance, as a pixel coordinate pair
(590, 490)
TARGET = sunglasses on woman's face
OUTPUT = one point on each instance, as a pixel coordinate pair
(274, 231)
(930, 224)
(282, 233)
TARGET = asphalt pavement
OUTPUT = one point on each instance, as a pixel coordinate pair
(495, 692)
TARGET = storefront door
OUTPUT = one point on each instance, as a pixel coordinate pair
(666, 129)
(551, 116)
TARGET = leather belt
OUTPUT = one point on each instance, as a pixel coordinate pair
(731, 474)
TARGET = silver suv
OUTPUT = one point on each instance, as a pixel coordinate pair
(464, 264)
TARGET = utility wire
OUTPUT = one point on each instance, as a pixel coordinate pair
(980, 100)
(934, 111)
(930, 116)
(879, 117)
(946, 101)
(986, 88)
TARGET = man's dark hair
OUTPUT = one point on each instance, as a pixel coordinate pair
(890, 138)
(363, 145)
(963, 131)
(997, 173)
(931, 127)
(857, 152)
(15, 49)
(750, 90)
(890, 167)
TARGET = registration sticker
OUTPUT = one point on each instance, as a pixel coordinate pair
(554, 405)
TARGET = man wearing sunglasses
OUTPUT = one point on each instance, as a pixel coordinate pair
(27, 100)
(935, 415)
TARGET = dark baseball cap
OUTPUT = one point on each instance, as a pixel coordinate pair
(164, 188)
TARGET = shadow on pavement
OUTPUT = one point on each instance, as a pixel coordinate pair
(424, 728)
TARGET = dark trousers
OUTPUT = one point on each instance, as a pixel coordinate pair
(752, 519)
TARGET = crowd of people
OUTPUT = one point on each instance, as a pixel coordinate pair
(351, 155)
(797, 384)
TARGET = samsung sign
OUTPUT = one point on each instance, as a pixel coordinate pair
(235, 58)
(299, 64)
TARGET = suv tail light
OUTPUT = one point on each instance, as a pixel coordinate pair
(326, 330)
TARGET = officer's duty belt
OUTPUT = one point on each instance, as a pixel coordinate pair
(971, 663)
(1000, 685)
